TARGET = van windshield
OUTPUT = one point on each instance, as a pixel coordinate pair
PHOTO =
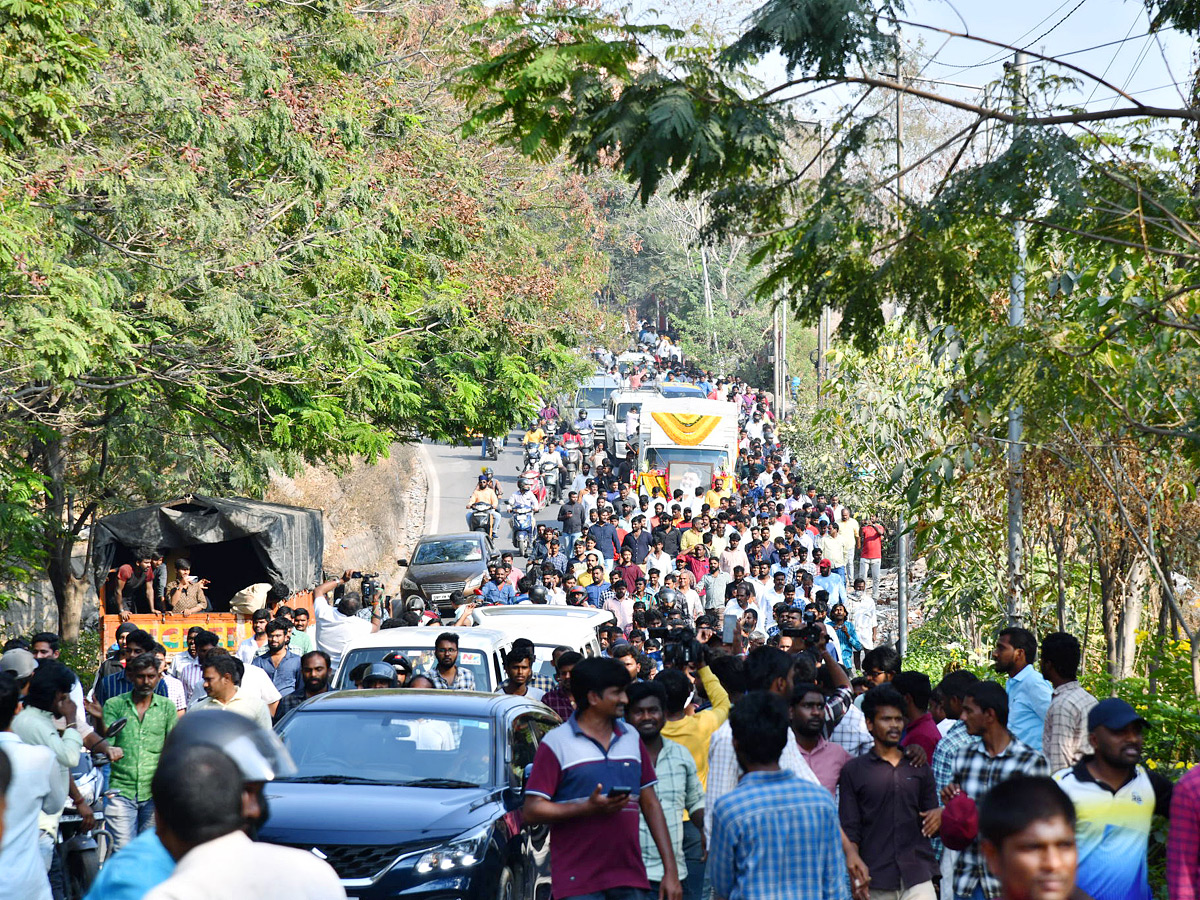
(592, 397)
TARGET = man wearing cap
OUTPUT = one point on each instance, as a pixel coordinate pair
(483, 493)
(1115, 799)
(830, 582)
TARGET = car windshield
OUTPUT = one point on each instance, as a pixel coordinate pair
(435, 552)
(421, 658)
(376, 746)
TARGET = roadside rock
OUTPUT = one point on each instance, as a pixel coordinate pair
(374, 513)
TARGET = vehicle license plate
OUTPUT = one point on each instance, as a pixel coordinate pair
(441, 598)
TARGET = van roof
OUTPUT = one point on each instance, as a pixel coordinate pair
(470, 638)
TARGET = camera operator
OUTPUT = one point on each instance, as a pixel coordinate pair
(338, 625)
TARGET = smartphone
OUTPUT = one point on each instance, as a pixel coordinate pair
(792, 632)
(659, 634)
(729, 627)
(619, 791)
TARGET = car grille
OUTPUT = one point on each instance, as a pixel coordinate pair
(356, 860)
(445, 587)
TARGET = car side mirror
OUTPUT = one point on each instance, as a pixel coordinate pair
(402, 562)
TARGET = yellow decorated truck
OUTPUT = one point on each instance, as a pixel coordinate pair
(685, 443)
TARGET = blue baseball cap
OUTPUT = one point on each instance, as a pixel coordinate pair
(1113, 714)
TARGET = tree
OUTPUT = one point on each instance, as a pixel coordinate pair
(245, 237)
(1105, 364)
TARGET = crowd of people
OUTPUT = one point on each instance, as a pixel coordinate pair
(747, 732)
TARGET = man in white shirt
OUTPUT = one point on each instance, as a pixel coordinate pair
(222, 681)
(198, 793)
(33, 789)
(864, 615)
(657, 559)
(337, 626)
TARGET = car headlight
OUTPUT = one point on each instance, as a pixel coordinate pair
(408, 584)
(474, 583)
(461, 853)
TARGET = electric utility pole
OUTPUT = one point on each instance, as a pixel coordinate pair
(1016, 415)
(901, 523)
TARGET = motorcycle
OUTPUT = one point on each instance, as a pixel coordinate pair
(588, 438)
(533, 452)
(574, 461)
(522, 527)
(482, 518)
(549, 471)
(82, 852)
(492, 447)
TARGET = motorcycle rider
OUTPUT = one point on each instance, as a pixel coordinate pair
(484, 493)
(524, 497)
(583, 426)
(552, 456)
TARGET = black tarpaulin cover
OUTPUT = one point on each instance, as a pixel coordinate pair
(287, 541)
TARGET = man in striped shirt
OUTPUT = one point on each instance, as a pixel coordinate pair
(1065, 735)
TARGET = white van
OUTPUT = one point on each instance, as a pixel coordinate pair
(618, 405)
(548, 627)
(479, 649)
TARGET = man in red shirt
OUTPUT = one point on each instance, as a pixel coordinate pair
(920, 729)
(870, 547)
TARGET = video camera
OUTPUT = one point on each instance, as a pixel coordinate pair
(369, 586)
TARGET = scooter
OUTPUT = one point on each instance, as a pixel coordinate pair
(588, 438)
(483, 516)
(522, 527)
(549, 472)
(492, 447)
(82, 852)
(533, 474)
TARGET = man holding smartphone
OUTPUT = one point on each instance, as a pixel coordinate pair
(591, 799)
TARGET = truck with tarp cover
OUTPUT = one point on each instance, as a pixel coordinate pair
(233, 543)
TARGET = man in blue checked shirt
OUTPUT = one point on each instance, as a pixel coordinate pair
(759, 826)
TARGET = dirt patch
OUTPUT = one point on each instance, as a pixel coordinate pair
(374, 513)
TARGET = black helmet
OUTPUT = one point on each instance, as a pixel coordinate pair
(668, 598)
(400, 663)
(258, 752)
(522, 484)
(379, 671)
(537, 594)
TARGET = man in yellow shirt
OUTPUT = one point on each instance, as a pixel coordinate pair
(693, 732)
(716, 492)
(692, 537)
(534, 435)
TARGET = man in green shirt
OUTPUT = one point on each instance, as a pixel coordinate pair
(129, 807)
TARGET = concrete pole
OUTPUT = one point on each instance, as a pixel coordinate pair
(1016, 415)
(901, 523)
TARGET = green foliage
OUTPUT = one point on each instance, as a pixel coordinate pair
(43, 53)
(268, 247)
(821, 36)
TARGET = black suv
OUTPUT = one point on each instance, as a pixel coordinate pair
(415, 793)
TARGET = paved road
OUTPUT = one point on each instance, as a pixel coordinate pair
(453, 472)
